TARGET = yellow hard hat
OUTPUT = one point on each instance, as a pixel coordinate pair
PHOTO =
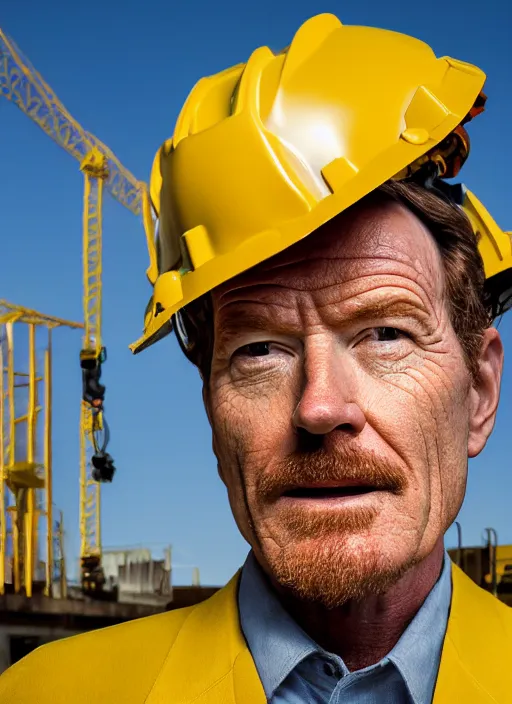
(266, 152)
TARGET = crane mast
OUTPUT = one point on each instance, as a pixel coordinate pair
(23, 85)
(91, 411)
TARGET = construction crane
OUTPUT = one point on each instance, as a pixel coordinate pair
(23, 85)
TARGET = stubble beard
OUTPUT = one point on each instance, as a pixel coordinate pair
(332, 559)
(326, 571)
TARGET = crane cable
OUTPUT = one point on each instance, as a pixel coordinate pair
(99, 429)
(102, 464)
(93, 394)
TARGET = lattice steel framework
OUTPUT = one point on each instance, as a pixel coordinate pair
(23, 85)
(25, 462)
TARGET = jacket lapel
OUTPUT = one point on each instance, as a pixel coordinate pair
(209, 662)
(477, 647)
(455, 683)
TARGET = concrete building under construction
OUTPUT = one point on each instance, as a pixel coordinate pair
(138, 585)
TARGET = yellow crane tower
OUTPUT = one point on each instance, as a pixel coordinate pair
(24, 86)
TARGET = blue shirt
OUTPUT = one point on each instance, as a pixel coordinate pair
(295, 670)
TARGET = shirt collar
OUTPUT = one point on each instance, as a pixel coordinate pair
(278, 644)
(276, 641)
(421, 643)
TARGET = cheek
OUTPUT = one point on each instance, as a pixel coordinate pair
(254, 418)
(418, 413)
(252, 427)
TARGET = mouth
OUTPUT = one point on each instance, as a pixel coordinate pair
(329, 492)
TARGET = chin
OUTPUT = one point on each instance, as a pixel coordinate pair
(332, 571)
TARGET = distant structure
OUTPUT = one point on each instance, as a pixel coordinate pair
(137, 585)
(488, 565)
(137, 577)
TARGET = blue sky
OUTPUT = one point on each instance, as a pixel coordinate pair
(123, 70)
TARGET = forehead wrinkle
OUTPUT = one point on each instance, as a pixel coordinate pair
(306, 281)
(234, 294)
(232, 305)
(390, 289)
(400, 297)
(307, 274)
(261, 319)
(425, 259)
(357, 284)
(383, 226)
(332, 263)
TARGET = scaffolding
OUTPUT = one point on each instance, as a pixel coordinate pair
(26, 508)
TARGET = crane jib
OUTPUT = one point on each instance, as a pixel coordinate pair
(22, 85)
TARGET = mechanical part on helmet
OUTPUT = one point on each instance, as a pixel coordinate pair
(428, 176)
(266, 152)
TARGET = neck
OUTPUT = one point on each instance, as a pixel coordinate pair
(364, 632)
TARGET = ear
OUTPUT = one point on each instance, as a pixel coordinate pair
(485, 393)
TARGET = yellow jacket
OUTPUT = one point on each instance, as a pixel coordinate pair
(198, 655)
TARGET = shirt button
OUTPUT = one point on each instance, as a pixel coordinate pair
(329, 669)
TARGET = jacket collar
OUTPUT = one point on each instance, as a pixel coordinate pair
(210, 662)
(475, 661)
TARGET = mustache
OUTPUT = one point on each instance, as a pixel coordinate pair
(341, 465)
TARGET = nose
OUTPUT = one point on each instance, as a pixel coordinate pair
(327, 401)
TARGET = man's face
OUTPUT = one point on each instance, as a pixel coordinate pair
(340, 404)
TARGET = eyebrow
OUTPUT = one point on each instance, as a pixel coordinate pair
(233, 324)
(236, 322)
(397, 308)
